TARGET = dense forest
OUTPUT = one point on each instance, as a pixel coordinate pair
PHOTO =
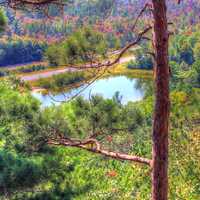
(95, 146)
(28, 34)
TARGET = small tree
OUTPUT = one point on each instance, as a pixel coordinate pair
(78, 48)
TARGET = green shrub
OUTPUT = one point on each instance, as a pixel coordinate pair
(141, 62)
(132, 65)
(62, 80)
(31, 68)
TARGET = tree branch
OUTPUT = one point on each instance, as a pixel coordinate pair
(98, 149)
(139, 15)
(110, 63)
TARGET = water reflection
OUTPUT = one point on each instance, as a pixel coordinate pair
(125, 88)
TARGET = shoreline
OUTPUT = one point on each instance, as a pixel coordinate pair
(49, 73)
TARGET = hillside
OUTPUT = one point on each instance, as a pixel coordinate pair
(96, 107)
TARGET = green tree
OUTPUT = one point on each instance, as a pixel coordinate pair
(79, 48)
(3, 21)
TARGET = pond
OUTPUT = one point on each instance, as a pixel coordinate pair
(127, 88)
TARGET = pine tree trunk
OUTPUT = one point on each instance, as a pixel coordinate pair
(162, 103)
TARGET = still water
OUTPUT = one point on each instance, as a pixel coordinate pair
(107, 87)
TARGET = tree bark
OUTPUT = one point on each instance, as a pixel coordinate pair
(162, 103)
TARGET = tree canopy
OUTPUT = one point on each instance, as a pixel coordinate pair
(2, 21)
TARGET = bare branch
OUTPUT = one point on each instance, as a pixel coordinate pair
(98, 149)
(139, 15)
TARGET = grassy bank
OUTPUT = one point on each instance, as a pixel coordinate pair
(121, 69)
(70, 80)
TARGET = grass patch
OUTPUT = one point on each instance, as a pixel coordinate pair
(60, 81)
(121, 69)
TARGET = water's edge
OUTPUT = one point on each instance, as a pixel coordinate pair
(107, 87)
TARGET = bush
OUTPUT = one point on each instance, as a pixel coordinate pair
(132, 65)
(31, 68)
(62, 80)
(142, 62)
(145, 62)
(18, 172)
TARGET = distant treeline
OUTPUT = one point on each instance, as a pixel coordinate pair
(17, 52)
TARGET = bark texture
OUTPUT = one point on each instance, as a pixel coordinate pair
(162, 103)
